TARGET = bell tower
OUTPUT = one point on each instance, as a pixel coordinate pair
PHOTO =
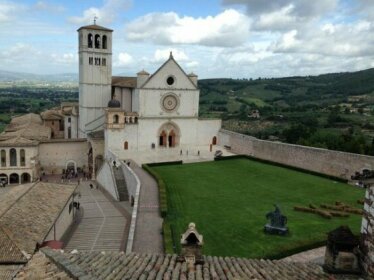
(95, 76)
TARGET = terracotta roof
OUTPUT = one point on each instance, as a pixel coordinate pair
(10, 253)
(127, 82)
(26, 119)
(9, 271)
(29, 219)
(52, 114)
(41, 267)
(10, 197)
(117, 265)
(95, 27)
(18, 141)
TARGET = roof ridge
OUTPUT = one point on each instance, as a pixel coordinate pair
(65, 264)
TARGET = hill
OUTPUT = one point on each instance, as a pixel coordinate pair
(334, 111)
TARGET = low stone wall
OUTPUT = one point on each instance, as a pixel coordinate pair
(133, 187)
(367, 234)
(105, 178)
(334, 163)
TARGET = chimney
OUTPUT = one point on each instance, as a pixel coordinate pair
(192, 244)
(142, 77)
(367, 234)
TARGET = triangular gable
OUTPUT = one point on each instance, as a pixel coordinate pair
(169, 68)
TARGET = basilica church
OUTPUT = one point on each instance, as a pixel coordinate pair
(147, 118)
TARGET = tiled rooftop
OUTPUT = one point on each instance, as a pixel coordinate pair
(117, 265)
(29, 220)
(40, 267)
(9, 198)
(9, 271)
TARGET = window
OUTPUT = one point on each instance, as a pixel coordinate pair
(170, 80)
(97, 41)
(69, 120)
(13, 157)
(23, 157)
(3, 158)
(69, 132)
(89, 40)
(115, 119)
(53, 123)
(126, 145)
(104, 42)
(61, 125)
(90, 60)
(97, 61)
(104, 62)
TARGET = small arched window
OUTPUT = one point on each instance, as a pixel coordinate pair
(115, 119)
(104, 42)
(3, 158)
(13, 157)
(89, 40)
(126, 145)
(97, 41)
(22, 157)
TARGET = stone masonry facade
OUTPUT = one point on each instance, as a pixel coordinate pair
(367, 234)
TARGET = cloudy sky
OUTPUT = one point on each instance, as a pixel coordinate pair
(213, 38)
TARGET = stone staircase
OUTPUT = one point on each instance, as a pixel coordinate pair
(121, 184)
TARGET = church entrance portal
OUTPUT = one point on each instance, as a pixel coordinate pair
(169, 135)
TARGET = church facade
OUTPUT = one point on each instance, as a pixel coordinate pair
(147, 113)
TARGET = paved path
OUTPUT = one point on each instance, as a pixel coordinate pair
(315, 256)
(148, 238)
(102, 225)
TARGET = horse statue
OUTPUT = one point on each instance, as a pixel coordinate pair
(277, 222)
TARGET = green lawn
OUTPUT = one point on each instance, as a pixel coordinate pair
(228, 201)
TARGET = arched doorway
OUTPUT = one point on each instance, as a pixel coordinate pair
(25, 178)
(71, 166)
(4, 178)
(14, 178)
(169, 135)
(214, 140)
(162, 139)
(171, 138)
(98, 162)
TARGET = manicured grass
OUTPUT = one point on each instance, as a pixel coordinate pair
(228, 201)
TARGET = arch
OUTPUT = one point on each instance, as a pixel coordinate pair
(214, 140)
(97, 41)
(14, 178)
(89, 40)
(105, 42)
(169, 135)
(22, 159)
(25, 178)
(4, 178)
(3, 158)
(162, 139)
(99, 159)
(71, 165)
(115, 118)
(13, 157)
(126, 145)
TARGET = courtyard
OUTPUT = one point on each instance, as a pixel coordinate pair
(228, 201)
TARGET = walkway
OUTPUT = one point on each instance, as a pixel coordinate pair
(148, 238)
(315, 256)
(102, 225)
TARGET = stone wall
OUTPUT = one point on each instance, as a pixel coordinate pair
(367, 235)
(339, 164)
(105, 178)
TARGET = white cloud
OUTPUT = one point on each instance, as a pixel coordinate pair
(123, 59)
(105, 14)
(45, 6)
(9, 11)
(65, 58)
(227, 29)
(162, 55)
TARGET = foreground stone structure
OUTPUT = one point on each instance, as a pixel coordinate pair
(367, 235)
